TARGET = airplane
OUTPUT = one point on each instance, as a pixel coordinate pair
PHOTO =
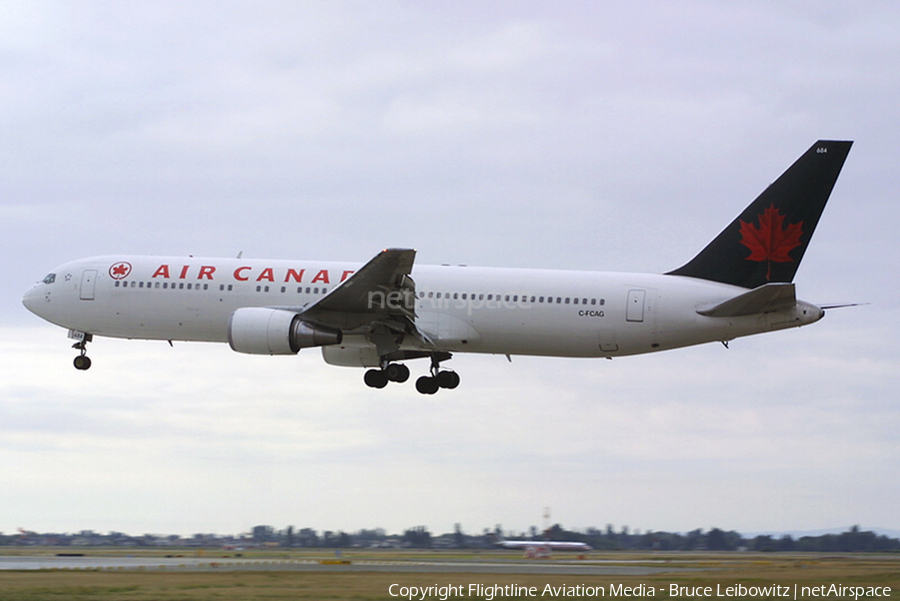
(552, 545)
(390, 310)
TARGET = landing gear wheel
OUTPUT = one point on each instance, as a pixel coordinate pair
(375, 378)
(427, 385)
(82, 362)
(397, 372)
(447, 379)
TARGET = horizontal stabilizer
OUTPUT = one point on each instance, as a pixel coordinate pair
(764, 299)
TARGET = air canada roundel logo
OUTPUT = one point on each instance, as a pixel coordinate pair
(120, 270)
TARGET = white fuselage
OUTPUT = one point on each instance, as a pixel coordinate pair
(458, 308)
(551, 545)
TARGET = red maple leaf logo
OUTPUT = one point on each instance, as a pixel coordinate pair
(771, 241)
(120, 270)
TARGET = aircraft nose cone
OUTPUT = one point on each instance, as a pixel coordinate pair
(32, 299)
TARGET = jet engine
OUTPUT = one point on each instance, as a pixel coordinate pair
(265, 331)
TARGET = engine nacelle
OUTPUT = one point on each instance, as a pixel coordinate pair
(264, 331)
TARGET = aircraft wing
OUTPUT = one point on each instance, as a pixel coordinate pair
(381, 292)
(763, 299)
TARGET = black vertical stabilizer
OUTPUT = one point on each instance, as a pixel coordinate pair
(767, 241)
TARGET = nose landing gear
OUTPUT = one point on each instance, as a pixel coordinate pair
(82, 361)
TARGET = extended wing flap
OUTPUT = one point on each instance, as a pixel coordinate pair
(381, 289)
(764, 299)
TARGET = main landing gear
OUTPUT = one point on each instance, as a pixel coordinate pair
(82, 361)
(440, 379)
(392, 372)
(398, 372)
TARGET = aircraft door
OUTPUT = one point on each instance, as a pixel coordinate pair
(634, 310)
(88, 282)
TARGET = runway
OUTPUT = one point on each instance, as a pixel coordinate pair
(203, 564)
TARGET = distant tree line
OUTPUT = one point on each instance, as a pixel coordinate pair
(419, 537)
(854, 540)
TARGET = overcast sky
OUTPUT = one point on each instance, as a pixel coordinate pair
(574, 135)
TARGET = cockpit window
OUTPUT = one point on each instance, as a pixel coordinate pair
(50, 278)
